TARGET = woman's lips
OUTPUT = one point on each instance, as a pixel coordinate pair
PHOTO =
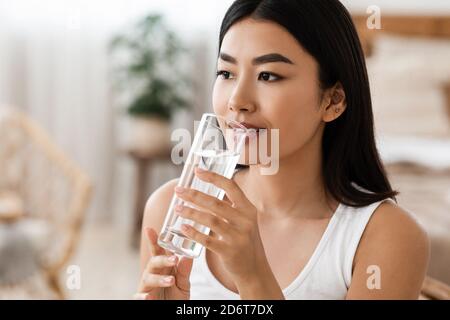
(252, 126)
(251, 132)
(246, 125)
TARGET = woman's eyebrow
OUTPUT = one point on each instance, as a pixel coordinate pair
(267, 58)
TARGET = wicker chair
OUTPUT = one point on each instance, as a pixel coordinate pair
(52, 189)
(433, 289)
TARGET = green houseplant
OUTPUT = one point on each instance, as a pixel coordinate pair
(146, 67)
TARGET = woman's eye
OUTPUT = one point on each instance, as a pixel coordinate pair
(269, 77)
(224, 74)
(265, 76)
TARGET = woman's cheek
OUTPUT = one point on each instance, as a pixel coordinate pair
(219, 99)
(215, 98)
(298, 124)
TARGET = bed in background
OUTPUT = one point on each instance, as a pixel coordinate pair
(408, 62)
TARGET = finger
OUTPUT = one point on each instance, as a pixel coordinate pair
(152, 238)
(209, 203)
(183, 273)
(140, 296)
(228, 201)
(215, 223)
(232, 190)
(211, 243)
(144, 296)
(156, 263)
(155, 250)
(154, 281)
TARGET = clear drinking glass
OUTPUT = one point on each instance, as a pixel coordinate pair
(217, 147)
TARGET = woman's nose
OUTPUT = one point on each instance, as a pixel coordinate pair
(240, 107)
(241, 102)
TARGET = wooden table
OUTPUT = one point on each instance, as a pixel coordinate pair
(11, 207)
(446, 88)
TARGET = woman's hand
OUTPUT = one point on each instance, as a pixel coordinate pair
(164, 277)
(238, 243)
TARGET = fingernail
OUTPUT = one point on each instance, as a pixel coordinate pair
(167, 280)
(140, 296)
(179, 208)
(172, 259)
(179, 189)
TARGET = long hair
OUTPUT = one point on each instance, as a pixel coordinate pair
(352, 169)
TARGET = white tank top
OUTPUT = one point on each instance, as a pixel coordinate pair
(327, 274)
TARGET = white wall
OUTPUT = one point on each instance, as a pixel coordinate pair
(401, 6)
(53, 64)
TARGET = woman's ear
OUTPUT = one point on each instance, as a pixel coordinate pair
(333, 103)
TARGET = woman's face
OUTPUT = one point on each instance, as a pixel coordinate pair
(280, 91)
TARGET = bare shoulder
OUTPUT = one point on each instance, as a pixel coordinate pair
(395, 225)
(155, 211)
(396, 244)
(158, 204)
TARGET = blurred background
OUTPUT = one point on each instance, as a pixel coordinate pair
(90, 92)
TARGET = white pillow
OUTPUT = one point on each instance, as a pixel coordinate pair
(415, 62)
(406, 76)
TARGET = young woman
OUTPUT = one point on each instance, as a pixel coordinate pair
(326, 225)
